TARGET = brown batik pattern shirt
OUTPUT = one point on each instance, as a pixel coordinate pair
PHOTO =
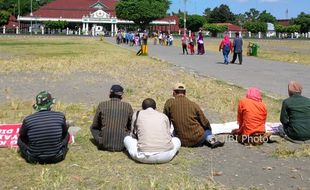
(188, 120)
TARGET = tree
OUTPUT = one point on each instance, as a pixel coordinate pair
(56, 24)
(279, 28)
(193, 22)
(287, 29)
(303, 20)
(293, 28)
(12, 6)
(252, 15)
(240, 19)
(4, 17)
(256, 27)
(266, 17)
(221, 14)
(214, 28)
(207, 13)
(142, 12)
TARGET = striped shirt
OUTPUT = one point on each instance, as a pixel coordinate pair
(188, 120)
(113, 120)
(44, 132)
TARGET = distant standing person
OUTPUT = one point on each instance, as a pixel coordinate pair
(112, 121)
(184, 40)
(192, 41)
(237, 49)
(200, 47)
(226, 47)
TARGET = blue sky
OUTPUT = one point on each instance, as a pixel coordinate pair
(276, 7)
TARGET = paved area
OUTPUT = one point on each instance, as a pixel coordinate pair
(271, 77)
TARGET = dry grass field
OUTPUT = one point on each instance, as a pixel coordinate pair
(142, 77)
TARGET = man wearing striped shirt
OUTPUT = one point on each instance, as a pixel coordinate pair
(190, 124)
(112, 121)
(43, 136)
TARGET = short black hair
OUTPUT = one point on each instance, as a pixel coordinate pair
(237, 34)
(180, 91)
(113, 95)
(148, 103)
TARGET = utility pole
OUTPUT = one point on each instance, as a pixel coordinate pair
(185, 16)
(18, 2)
(31, 16)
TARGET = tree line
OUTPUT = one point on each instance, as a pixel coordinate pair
(18, 7)
(252, 20)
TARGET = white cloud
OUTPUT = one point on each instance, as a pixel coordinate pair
(269, 1)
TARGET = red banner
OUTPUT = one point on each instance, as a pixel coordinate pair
(9, 134)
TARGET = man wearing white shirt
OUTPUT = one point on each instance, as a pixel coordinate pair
(150, 140)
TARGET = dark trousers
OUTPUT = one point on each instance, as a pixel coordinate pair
(184, 48)
(33, 159)
(235, 57)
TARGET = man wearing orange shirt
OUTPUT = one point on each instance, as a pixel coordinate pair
(252, 114)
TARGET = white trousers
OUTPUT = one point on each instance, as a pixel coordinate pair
(131, 145)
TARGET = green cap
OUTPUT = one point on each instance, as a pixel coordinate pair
(44, 101)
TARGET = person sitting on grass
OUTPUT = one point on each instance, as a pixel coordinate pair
(295, 113)
(190, 123)
(112, 121)
(150, 140)
(43, 136)
(252, 115)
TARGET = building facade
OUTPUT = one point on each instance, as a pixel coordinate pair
(88, 17)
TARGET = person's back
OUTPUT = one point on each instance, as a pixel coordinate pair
(190, 123)
(295, 113)
(43, 136)
(45, 131)
(150, 140)
(238, 45)
(112, 121)
(153, 131)
(184, 119)
(251, 116)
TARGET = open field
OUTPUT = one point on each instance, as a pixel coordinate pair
(292, 51)
(68, 66)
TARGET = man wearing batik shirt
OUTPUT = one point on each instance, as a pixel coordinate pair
(112, 121)
(190, 124)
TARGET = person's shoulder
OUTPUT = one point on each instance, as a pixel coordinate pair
(58, 113)
(55, 114)
(244, 101)
(126, 104)
(169, 101)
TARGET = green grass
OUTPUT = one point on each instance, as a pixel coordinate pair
(283, 151)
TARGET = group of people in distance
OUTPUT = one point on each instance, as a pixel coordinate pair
(189, 42)
(151, 136)
(226, 46)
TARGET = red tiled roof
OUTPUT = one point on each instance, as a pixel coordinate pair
(12, 22)
(284, 22)
(73, 8)
(231, 27)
